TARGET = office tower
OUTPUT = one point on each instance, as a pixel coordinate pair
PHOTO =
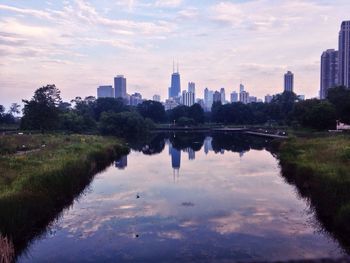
(208, 99)
(252, 99)
(223, 97)
(234, 97)
(187, 98)
(268, 98)
(344, 55)
(329, 71)
(175, 88)
(192, 88)
(244, 97)
(105, 92)
(170, 104)
(156, 98)
(288, 81)
(120, 87)
(241, 88)
(217, 97)
(135, 99)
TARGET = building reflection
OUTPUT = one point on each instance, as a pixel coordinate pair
(191, 153)
(122, 163)
(208, 145)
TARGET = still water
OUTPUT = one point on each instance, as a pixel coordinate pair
(197, 198)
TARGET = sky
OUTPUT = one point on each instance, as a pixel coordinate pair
(81, 44)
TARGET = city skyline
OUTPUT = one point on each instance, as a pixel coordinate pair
(139, 38)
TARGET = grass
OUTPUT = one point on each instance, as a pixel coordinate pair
(36, 185)
(320, 168)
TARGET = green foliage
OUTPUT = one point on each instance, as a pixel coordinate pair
(340, 98)
(153, 110)
(126, 124)
(195, 113)
(108, 105)
(184, 121)
(41, 112)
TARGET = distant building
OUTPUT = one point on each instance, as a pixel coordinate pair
(301, 97)
(156, 98)
(223, 96)
(289, 81)
(120, 87)
(105, 92)
(175, 87)
(252, 99)
(329, 71)
(217, 97)
(192, 88)
(241, 88)
(208, 99)
(260, 101)
(170, 104)
(201, 103)
(135, 99)
(244, 97)
(187, 98)
(344, 55)
(234, 97)
(268, 98)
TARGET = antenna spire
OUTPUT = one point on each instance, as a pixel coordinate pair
(178, 67)
(173, 65)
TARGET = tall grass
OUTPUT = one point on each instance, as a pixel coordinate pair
(35, 187)
(320, 168)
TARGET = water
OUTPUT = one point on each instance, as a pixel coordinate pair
(186, 198)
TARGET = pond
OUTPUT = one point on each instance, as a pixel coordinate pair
(188, 198)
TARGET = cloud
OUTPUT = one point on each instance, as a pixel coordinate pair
(168, 3)
(24, 11)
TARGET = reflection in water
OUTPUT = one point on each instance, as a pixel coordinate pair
(225, 208)
(122, 163)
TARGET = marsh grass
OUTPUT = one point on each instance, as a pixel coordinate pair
(320, 168)
(36, 186)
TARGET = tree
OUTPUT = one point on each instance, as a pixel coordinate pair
(340, 98)
(41, 112)
(153, 110)
(14, 109)
(196, 113)
(108, 105)
(125, 124)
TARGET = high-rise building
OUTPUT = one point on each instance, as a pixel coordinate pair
(192, 88)
(175, 88)
(329, 71)
(289, 81)
(120, 87)
(244, 97)
(223, 96)
(105, 92)
(208, 99)
(156, 98)
(252, 99)
(170, 104)
(344, 55)
(135, 99)
(241, 88)
(187, 98)
(217, 97)
(234, 97)
(268, 98)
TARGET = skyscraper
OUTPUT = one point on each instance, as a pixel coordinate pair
(187, 98)
(241, 88)
(223, 96)
(192, 88)
(105, 92)
(156, 98)
(120, 86)
(244, 97)
(175, 88)
(289, 81)
(329, 71)
(208, 99)
(344, 55)
(234, 97)
(217, 96)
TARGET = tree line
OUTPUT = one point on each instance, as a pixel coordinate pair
(46, 111)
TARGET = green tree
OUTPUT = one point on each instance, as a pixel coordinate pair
(153, 110)
(41, 112)
(340, 98)
(108, 104)
(196, 113)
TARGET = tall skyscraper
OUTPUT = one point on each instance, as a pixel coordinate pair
(241, 88)
(289, 81)
(208, 99)
(120, 86)
(187, 98)
(105, 92)
(192, 88)
(217, 97)
(344, 55)
(175, 88)
(244, 97)
(329, 71)
(234, 97)
(223, 96)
